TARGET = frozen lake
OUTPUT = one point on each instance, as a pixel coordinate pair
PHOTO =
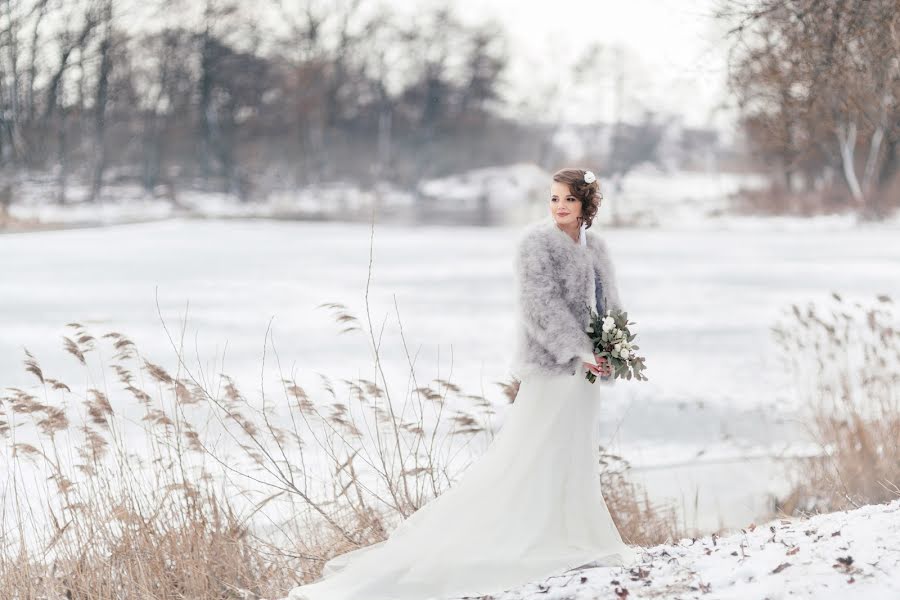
(703, 301)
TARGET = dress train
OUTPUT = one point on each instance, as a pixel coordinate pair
(528, 508)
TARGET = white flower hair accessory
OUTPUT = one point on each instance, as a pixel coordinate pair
(589, 177)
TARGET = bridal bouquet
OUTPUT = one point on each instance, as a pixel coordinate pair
(612, 339)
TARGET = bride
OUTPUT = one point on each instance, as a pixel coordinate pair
(531, 505)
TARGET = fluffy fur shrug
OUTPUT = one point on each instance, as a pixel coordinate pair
(558, 283)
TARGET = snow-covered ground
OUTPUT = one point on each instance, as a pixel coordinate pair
(648, 198)
(35, 202)
(704, 287)
(848, 554)
(711, 422)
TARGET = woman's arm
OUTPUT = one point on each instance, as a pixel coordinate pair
(546, 316)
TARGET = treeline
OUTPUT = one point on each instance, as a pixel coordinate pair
(223, 95)
(819, 89)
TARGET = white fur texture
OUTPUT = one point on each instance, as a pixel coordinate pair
(558, 282)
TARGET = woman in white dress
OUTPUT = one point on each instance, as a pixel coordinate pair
(531, 505)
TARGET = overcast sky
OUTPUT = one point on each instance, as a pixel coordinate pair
(673, 55)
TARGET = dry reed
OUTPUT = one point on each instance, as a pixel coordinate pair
(172, 483)
(846, 358)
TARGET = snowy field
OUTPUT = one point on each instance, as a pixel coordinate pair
(705, 431)
(847, 554)
(649, 197)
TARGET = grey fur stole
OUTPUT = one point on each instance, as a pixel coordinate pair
(558, 283)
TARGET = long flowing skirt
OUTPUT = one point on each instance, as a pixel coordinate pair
(528, 508)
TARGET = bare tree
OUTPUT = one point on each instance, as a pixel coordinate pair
(821, 78)
(101, 96)
(208, 97)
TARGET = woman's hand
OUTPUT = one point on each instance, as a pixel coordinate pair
(604, 364)
(602, 367)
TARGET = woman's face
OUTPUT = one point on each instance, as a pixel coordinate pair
(564, 207)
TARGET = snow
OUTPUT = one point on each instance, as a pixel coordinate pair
(694, 272)
(35, 201)
(837, 555)
(504, 187)
(710, 415)
(649, 197)
(684, 434)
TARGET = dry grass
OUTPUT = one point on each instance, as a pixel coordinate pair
(847, 359)
(639, 520)
(150, 482)
(831, 199)
(777, 200)
(95, 509)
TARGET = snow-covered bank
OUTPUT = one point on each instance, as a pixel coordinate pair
(720, 290)
(646, 198)
(828, 556)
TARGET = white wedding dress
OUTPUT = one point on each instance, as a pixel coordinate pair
(528, 508)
